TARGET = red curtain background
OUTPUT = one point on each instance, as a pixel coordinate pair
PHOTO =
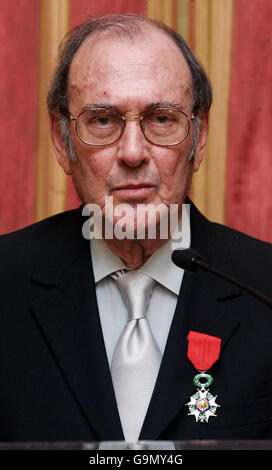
(248, 201)
(19, 66)
(249, 161)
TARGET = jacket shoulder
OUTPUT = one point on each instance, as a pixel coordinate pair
(240, 242)
(251, 258)
(25, 242)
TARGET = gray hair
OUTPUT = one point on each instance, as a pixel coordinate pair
(131, 26)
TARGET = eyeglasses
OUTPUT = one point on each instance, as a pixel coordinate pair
(161, 126)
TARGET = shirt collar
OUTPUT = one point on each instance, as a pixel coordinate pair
(159, 266)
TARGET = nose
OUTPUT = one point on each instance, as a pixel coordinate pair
(132, 146)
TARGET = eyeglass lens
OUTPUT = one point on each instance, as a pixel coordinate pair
(160, 126)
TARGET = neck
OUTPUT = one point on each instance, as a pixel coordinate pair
(134, 253)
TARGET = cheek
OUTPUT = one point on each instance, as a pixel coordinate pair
(94, 163)
(175, 175)
(98, 166)
(171, 166)
(90, 174)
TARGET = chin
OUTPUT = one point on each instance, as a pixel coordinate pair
(142, 223)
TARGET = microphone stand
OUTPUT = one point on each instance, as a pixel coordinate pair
(250, 290)
(191, 260)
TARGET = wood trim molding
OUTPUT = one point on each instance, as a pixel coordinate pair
(214, 51)
(51, 180)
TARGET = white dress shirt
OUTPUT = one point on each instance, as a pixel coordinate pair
(168, 278)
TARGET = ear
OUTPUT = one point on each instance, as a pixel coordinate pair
(201, 145)
(58, 144)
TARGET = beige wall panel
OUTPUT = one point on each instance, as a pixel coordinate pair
(153, 9)
(213, 32)
(201, 50)
(183, 18)
(161, 10)
(51, 181)
(219, 71)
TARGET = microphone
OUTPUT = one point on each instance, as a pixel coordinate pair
(191, 260)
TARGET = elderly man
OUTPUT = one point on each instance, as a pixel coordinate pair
(102, 340)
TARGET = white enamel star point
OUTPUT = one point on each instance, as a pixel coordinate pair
(202, 405)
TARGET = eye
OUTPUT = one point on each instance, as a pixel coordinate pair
(103, 120)
(162, 118)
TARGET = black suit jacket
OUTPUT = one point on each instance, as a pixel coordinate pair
(55, 382)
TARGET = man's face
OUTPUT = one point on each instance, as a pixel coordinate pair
(130, 75)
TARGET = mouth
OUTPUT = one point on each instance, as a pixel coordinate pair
(133, 186)
(132, 189)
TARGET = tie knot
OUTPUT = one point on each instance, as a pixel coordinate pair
(136, 289)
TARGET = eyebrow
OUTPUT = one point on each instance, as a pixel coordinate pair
(99, 105)
(159, 104)
(165, 104)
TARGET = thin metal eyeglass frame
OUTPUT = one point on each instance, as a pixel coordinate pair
(138, 118)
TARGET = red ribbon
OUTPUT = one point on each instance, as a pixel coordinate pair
(203, 350)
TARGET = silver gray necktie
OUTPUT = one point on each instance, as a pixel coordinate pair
(136, 359)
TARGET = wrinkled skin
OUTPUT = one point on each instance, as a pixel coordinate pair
(131, 75)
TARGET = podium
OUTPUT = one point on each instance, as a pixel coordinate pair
(191, 445)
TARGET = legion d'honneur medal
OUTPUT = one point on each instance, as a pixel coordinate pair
(203, 352)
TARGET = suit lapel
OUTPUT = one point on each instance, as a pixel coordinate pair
(65, 307)
(203, 306)
(64, 304)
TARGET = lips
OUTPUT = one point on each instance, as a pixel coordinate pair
(133, 186)
(132, 191)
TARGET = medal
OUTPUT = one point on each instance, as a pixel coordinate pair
(203, 352)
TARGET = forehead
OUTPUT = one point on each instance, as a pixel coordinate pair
(127, 72)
